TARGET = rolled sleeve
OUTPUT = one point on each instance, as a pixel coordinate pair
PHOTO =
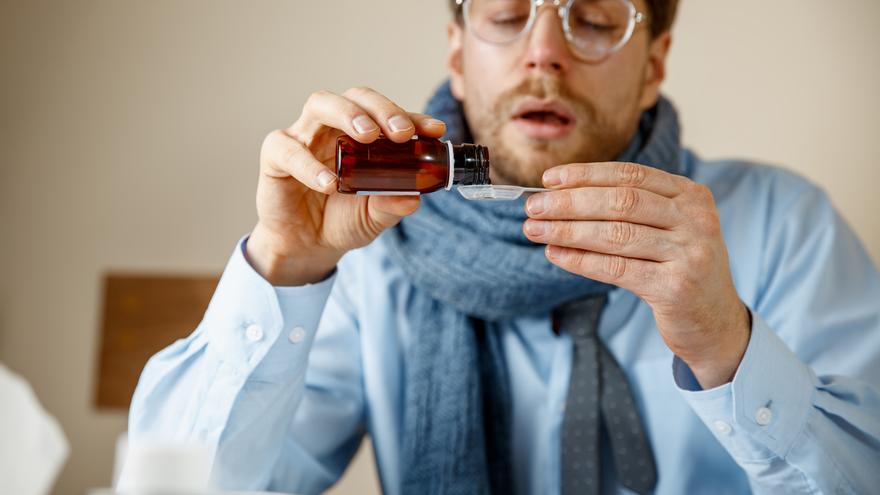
(258, 330)
(761, 413)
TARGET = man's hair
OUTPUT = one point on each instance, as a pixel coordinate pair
(661, 14)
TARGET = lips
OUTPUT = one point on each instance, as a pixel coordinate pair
(543, 119)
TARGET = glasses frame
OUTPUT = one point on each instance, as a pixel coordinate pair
(563, 8)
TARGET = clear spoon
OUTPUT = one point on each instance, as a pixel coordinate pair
(496, 192)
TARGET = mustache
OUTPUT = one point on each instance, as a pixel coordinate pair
(550, 88)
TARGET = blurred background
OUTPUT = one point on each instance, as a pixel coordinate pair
(130, 134)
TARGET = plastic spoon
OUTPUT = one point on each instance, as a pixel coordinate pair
(496, 192)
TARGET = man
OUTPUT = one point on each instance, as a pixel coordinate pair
(654, 323)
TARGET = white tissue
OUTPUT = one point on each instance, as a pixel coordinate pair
(157, 467)
(32, 446)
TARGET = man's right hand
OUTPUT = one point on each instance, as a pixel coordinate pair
(304, 225)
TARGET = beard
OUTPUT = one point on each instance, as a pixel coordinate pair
(522, 160)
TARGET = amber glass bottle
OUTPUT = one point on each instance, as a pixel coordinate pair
(418, 166)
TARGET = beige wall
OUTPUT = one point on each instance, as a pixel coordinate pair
(130, 133)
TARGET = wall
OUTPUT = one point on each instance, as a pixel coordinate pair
(130, 134)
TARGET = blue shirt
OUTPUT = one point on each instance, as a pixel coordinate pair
(283, 382)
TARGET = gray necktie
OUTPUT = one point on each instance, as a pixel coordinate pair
(598, 393)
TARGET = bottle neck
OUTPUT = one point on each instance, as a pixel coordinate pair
(471, 164)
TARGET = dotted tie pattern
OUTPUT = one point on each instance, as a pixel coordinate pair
(599, 393)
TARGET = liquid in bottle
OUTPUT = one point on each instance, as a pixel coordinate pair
(418, 166)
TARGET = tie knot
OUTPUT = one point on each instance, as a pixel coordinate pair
(580, 318)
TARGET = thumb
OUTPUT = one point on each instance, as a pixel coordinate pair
(387, 211)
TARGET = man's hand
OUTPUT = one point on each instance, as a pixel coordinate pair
(657, 235)
(304, 225)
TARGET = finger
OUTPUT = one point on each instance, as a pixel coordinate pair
(605, 203)
(394, 121)
(284, 156)
(387, 211)
(618, 238)
(614, 174)
(324, 108)
(427, 125)
(628, 273)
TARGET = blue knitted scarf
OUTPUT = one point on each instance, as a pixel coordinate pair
(472, 269)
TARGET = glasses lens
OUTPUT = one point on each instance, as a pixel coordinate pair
(598, 27)
(498, 21)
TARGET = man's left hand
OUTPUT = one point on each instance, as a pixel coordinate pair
(657, 235)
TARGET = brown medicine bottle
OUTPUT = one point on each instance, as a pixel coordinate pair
(418, 166)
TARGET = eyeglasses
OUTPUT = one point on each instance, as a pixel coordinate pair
(594, 28)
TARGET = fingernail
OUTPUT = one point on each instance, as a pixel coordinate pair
(435, 122)
(552, 177)
(536, 228)
(536, 204)
(325, 178)
(399, 123)
(364, 124)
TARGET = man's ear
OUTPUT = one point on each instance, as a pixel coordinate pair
(655, 69)
(455, 33)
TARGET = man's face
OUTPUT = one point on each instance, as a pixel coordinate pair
(536, 105)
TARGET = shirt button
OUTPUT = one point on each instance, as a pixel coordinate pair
(297, 335)
(722, 428)
(253, 332)
(763, 416)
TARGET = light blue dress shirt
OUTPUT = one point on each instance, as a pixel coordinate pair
(283, 382)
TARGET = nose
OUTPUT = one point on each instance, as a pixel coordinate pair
(547, 48)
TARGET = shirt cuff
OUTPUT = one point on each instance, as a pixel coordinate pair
(760, 414)
(260, 330)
